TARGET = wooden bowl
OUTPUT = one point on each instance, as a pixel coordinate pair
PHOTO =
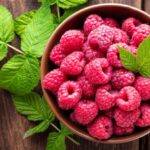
(117, 11)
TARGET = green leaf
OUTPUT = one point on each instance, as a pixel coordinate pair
(43, 126)
(6, 25)
(33, 106)
(56, 141)
(143, 58)
(22, 21)
(51, 2)
(128, 59)
(38, 31)
(3, 51)
(20, 74)
(65, 130)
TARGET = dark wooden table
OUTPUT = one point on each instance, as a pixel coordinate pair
(13, 126)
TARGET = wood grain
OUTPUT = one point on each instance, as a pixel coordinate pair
(13, 126)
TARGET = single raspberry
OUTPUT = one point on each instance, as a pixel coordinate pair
(126, 118)
(69, 94)
(57, 55)
(106, 87)
(85, 111)
(101, 128)
(98, 71)
(88, 89)
(129, 99)
(122, 78)
(105, 99)
(101, 38)
(123, 131)
(144, 119)
(111, 22)
(53, 80)
(113, 54)
(92, 22)
(120, 36)
(142, 32)
(142, 85)
(72, 40)
(129, 25)
(73, 64)
(90, 53)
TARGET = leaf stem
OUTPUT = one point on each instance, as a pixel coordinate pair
(58, 12)
(70, 138)
(12, 47)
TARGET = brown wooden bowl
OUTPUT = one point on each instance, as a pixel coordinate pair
(118, 11)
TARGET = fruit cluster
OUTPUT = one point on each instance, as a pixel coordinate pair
(91, 81)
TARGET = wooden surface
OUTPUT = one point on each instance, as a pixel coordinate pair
(13, 126)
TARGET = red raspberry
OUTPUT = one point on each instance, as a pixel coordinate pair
(142, 32)
(90, 53)
(56, 54)
(53, 80)
(142, 85)
(101, 128)
(129, 99)
(129, 25)
(88, 89)
(105, 99)
(85, 111)
(111, 22)
(106, 87)
(92, 22)
(126, 118)
(69, 94)
(123, 131)
(144, 119)
(98, 71)
(113, 54)
(122, 78)
(120, 36)
(73, 64)
(72, 40)
(101, 38)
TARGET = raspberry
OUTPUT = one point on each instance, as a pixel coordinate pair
(120, 36)
(122, 78)
(126, 118)
(123, 131)
(88, 89)
(142, 85)
(101, 38)
(69, 94)
(144, 119)
(56, 54)
(92, 22)
(142, 32)
(90, 53)
(98, 71)
(85, 111)
(129, 99)
(106, 87)
(111, 22)
(73, 64)
(105, 99)
(101, 128)
(113, 54)
(129, 25)
(72, 40)
(53, 80)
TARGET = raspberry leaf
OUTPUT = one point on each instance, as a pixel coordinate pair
(33, 106)
(65, 130)
(22, 21)
(6, 30)
(20, 74)
(128, 59)
(43, 126)
(38, 31)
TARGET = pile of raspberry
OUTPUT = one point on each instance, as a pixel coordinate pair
(90, 81)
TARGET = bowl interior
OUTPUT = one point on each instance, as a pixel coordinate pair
(117, 11)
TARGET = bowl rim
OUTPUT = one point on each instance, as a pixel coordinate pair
(124, 139)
